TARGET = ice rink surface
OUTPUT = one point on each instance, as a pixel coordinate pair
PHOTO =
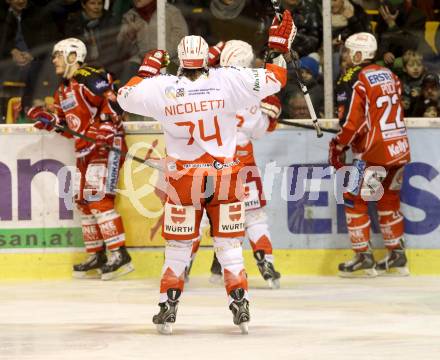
(309, 318)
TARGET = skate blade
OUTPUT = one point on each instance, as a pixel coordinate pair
(216, 279)
(164, 329)
(91, 274)
(273, 283)
(123, 270)
(244, 327)
(362, 273)
(394, 272)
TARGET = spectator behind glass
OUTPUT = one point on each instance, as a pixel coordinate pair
(413, 71)
(431, 110)
(97, 29)
(297, 107)
(401, 27)
(27, 34)
(240, 19)
(309, 71)
(138, 33)
(347, 18)
(430, 94)
(308, 20)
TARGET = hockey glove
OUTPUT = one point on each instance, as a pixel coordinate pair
(335, 153)
(154, 60)
(271, 106)
(214, 53)
(281, 34)
(44, 120)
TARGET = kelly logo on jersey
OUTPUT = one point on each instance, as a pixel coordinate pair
(400, 147)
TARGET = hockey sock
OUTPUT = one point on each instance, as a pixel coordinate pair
(257, 231)
(392, 228)
(177, 258)
(230, 256)
(358, 226)
(93, 241)
(112, 229)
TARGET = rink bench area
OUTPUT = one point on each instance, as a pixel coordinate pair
(40, 238)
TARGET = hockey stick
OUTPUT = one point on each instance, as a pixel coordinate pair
(293, 58)
(106, 146)
(305, 126)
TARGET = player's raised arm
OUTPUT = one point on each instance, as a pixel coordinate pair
(131, 97)
(281, 35)
(250, 85)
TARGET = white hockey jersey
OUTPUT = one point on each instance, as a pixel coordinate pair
(199, 117)
(252, 124)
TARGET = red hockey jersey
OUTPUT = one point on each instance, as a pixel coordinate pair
(84, 102)
(371, 115)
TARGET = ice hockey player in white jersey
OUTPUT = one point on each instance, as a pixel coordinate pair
(253, 122)
(197, 111)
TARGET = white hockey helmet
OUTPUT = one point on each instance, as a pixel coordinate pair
(71, 45)
(193, 52)
(237, 53)
(362, 42)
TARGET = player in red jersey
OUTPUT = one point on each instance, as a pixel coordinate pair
(85, 102)
(371, 117)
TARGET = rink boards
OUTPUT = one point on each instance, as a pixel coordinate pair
(40, 235)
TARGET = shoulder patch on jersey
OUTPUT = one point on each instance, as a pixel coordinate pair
(171, 92)
(94, 79)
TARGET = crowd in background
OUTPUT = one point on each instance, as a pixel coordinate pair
(118, 33)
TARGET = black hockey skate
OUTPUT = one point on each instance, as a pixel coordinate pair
(240, 310)
(119, 264)
(362, 265)
(91, 268)
(394, 264)
(216, 271)
(167, 313)
(267, 270)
